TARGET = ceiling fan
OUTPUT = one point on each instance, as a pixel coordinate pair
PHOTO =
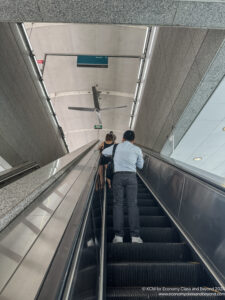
(96, 107)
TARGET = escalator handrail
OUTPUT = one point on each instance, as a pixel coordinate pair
(49, 280)
(71, 269)
(102, 277)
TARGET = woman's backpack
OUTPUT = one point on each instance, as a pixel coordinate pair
(110, 167)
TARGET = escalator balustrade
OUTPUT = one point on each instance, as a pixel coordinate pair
(162, 267)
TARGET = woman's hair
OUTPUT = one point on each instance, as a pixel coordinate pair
(109, 137)
(114, 136)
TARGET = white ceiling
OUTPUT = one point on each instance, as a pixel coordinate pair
(69, 85)
(206, 138)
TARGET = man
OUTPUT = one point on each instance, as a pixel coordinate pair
(127, 158)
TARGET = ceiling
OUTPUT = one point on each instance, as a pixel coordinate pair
(56, 47)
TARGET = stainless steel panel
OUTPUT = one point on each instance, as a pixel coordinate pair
(19, 236)
(197, 206)
(29, 243)
(203, 216)
(154, 176)
(171, 188)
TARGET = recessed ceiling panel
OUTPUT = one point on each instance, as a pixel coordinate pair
(56, 46)
(61, 74)
(86, 39)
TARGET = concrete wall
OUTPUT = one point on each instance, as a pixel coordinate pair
(180, 59)
(27, 132)
(187, 13)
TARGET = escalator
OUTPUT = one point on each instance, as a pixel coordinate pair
(166, 266)
(162, 267)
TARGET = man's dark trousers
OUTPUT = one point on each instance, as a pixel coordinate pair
(125, 182)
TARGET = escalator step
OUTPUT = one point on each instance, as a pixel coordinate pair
(154, 274)
(143, 210)
(145, 221)
(143, 195)
(162, 294)
(140, 202)
(128, 252)
(149, 235)
(143, 189)
(161, 261)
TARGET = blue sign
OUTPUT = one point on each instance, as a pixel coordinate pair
(92, 61)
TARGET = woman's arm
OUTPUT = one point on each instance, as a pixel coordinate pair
(100, 147)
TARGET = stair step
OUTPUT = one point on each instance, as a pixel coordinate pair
(149, 235)
(154, 274)
(128, 252)
(140, 194)
(145, 221)
(143, 210)
(140, 202)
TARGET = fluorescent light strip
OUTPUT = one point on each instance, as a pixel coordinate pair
(146, 68)
(57, 119)
(22, 39)
(42, 90)
(136, 91)
(146, 40)
(39, 72)
(45, 89)
(130, 122)
(132, 108)
(149, 54)
(33, 68)
(27, 38)
(140, 68)
(140, 91)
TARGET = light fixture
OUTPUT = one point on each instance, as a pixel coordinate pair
(146, 40)
(223, 128)
(197, 158)
(148, 51)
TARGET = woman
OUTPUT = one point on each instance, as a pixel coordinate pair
(109, 141)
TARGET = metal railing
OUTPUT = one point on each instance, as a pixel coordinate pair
(102, 277)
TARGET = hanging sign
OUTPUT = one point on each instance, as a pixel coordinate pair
(92, 61)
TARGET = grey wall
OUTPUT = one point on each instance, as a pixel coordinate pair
(193, 13)
(180, 59)
(27, 132)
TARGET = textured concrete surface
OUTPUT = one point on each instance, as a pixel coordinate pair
(27, 130)
(180, 61)
(213, 76)
(16, 196)
(191, 13)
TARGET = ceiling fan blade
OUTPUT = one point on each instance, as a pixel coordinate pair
(109, 108)
(99, 117)
(81, 108)
(95, 98)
